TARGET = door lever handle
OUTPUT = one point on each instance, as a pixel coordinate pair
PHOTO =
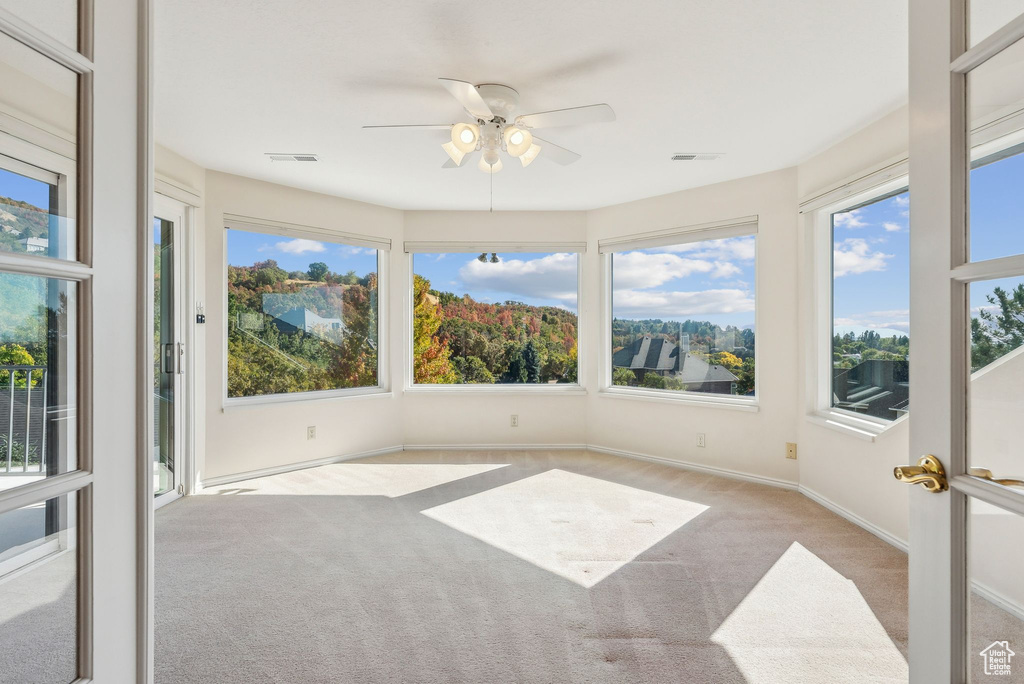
(986, 474)
(928, 473)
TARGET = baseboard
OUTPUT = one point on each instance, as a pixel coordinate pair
(854, 518)
(496, 447)
(997, 599)
(687, 465)
(302, 465)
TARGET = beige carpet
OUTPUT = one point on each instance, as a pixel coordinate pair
(520, 567)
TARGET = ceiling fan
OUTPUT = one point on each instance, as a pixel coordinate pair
(493, 106)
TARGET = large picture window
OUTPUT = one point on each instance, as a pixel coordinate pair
(495, 318)
(302, 314)
(871, 306)
(683, 315)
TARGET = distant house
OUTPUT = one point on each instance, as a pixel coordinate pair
(35, 245)
(661, 356)
(301, 318)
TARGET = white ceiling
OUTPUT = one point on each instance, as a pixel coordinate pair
(767, 83)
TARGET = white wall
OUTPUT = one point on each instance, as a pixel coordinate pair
(466, 418)
(751, 443)
(245, 438)
(847, 470)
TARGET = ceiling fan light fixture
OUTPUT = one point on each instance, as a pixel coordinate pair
(517, 141)
(490, 168)
(465, 136)
(527, 157)
(454, 152)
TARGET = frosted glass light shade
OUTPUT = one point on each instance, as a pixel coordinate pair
(517, 141)
(489, 168)
(527, 157)
(454, 152)
(465, 136)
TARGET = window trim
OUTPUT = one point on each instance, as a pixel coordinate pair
(747, 226)
(564, 388)
(818, 220)
(283, 229)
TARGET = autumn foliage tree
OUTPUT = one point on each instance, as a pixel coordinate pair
(431, 356)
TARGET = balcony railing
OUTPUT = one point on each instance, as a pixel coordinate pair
(875, 387)
(23, 409)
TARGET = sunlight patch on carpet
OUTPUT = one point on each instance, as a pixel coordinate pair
(805, 622)
(578, 527)
(357, 479)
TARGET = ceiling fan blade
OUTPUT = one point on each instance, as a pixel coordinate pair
(555, 153)
(572, 116)
(468, 97)
(425, 127)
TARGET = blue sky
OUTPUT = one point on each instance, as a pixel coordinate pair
(296, 254)
(712, 280)
(25, 189)
(531, 278)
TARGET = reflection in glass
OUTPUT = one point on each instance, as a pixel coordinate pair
(871, 307)
(995, 565)
(996, 115)
(59, 18)
(494, 318)
(38, 593)
(165, 355)
(37, 190)
(996, 389)
(38, 336)
(302, 315)
(987, 16)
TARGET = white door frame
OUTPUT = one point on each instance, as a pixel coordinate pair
(939, 367)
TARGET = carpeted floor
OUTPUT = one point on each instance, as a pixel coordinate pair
(535, 566)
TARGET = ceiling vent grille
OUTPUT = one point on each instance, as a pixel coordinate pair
(274, 156)
(696, 156)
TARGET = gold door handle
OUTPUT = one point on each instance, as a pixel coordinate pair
(928, 473)
(986, 474)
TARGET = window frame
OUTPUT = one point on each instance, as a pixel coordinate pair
(290, 230)
(455, 247)
(747, 226)
(818, 213)
(42, 153)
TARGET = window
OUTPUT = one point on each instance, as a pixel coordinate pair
(495, 318)
(871, 306)
(303, 314)
(682, 317)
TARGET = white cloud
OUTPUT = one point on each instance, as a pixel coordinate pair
(550, 277)
(849, 219)
(728, 249)
(892, 227)
(902, 200)
(658, 304)
(853, 256)
(349, 250)
(299, 246)
(894, 319)
(639, 270)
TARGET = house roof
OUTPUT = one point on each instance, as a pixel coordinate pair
(662, 355)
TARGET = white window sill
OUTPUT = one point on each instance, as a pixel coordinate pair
(867, 430)
(687, 398)
(478, 389)
(329, 395)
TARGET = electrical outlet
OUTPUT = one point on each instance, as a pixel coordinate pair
(311, 432)
(700, 440)
(791, 450)
(515, 420)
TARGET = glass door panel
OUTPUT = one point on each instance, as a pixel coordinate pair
(166, 350)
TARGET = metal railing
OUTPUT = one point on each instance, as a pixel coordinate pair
(25, 390)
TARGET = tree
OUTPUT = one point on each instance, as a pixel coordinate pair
(623, 376)
(531, 362)
(431, 356)
(996, 333)
(16, 355)
(318, 271)
(472, 370)
(745, 384)
(515, 367)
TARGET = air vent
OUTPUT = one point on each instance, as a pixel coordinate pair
(696, 156)
(292, 157)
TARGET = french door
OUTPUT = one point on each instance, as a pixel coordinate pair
(170, 351)
(967, 342)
